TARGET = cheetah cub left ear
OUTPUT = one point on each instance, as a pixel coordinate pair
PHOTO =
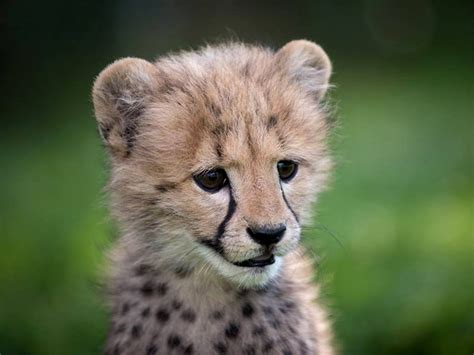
(120, 95)
(308, 65)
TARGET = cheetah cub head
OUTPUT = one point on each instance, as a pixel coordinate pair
(216, 154)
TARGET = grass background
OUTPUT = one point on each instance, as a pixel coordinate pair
(400, 202)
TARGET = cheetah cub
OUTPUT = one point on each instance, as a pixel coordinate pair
(215, 158)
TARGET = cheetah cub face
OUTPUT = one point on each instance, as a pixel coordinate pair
(217, 154)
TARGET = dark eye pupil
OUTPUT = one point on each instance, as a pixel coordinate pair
(212, 180)
(286, 169)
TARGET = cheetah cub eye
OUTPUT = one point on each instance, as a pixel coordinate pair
(211, 180)
(287, 169)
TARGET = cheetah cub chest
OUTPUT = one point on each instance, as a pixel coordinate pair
(215, 158)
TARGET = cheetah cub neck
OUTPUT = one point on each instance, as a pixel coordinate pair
(215, 158)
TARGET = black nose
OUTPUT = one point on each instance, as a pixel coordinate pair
(267, 235)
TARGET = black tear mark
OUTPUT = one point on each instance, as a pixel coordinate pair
(288, 204)
(215, 242)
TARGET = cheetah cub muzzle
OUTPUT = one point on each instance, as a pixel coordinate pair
(215, 158)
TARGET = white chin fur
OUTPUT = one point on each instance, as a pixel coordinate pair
(243, 277)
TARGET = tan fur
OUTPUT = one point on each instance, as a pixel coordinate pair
(242, 109)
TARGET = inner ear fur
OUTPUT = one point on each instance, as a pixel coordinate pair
(307, 64)
(121, 93)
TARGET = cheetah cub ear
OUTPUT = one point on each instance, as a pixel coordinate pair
(307, 64)
(120, 94)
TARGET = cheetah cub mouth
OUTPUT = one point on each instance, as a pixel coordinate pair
(265, 259)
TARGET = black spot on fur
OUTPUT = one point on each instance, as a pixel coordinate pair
(147, 288)
(275, 323)
(120, 328)
(219, 150)
(220, 347)
(152, 349)
(232, 330)
(125, 308)
(303, 347)
(174, 341)
(258, 331)
(217, 315)
(142, 269)
(263, 290)
(215, 110)
(243, 293)
(116, 350)
(136, 331)
(287, 352)
(272, 121)
(162, 288)
(221, 131)
(164, 188)
(188, 316)
(176, 304)
(247, 310)
(162, 315)
(189, 349)
(267, 346)
(249, 350)
(268, 310)
(145, 312)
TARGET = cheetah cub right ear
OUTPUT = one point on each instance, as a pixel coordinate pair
(308, 65)
(120, 95)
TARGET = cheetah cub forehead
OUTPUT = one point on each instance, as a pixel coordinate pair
(217, 154)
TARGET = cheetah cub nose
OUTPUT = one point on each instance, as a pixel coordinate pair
(267, 235)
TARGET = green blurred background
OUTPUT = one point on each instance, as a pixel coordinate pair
(401, 200)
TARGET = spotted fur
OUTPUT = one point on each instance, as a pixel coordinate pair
(174, 287)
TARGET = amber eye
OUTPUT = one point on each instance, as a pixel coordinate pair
(287, 169)
(211, 180)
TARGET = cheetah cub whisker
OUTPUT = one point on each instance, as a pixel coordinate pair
(215, 156)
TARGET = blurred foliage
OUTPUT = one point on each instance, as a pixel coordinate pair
(401, 201)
